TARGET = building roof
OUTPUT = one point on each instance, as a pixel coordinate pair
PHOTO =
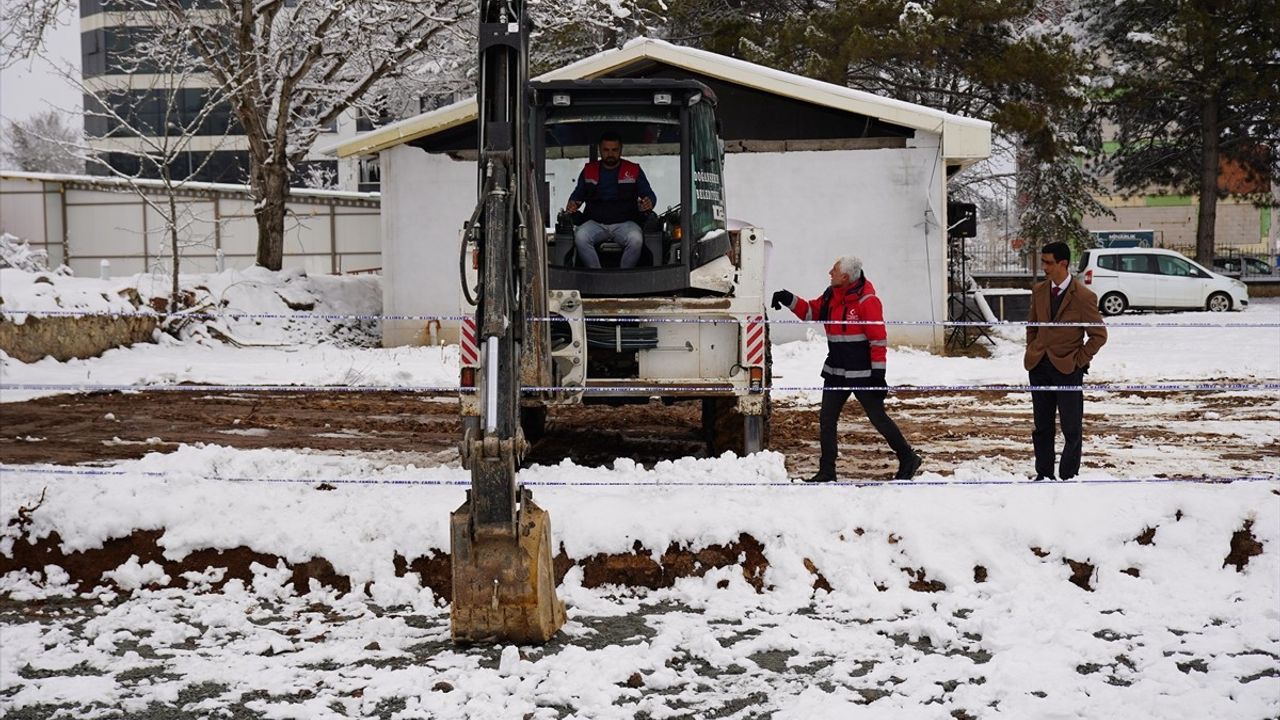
(108, 182)
(964, 140)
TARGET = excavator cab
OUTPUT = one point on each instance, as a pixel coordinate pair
(669, 128)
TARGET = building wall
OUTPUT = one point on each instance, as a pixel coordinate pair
(425, 200)
(883, 205)
(1239, 225)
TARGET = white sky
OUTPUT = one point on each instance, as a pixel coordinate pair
(32, 86)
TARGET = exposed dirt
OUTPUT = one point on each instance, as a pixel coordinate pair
(638, 568)
(72, 429)
(1243, 546)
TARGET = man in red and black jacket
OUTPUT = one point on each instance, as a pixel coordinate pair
(617, 193)
(856, 347)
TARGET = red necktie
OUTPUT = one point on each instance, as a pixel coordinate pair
(1057, 291)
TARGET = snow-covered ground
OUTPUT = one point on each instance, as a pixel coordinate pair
(1168, 629)
(1187, 638)
(299, 352)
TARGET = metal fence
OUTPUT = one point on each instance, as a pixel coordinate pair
(1004, 260)
(84, 221)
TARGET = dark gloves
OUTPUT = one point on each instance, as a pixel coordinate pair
(877, 378)
(782, 297)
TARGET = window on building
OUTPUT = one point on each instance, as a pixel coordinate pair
(370, 174)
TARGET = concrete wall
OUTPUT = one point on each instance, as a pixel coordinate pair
(884, 205)
(1238, 225)
(322, 234)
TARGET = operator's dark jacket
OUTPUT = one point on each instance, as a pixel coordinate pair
(610, 195)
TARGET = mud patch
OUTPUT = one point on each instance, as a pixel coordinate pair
(1081, 573)
(87, 567)
(1243, 546)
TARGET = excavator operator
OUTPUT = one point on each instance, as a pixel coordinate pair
(616, 193)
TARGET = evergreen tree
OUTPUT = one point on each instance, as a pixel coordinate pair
(1194, 86)
(42, 143)
(1012, 62)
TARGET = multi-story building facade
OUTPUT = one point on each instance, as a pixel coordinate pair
(217, 151)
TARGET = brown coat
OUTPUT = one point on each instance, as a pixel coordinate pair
(1065, 346)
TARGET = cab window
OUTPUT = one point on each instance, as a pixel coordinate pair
(707, 203)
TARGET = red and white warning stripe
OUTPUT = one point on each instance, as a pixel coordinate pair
(469, 350)
(755, 341)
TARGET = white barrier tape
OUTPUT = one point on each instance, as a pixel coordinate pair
(76, 472)
(227, 315)
(629, 319)
(655, 389)
(91, 387)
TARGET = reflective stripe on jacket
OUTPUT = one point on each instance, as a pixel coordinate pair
(856, 346)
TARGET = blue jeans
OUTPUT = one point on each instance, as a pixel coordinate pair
(591, 233)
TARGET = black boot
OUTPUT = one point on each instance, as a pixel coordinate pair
(823, 476)
(908, 466)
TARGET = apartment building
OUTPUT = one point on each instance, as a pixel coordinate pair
(218, 151)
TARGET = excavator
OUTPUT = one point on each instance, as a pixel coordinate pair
(541, 329)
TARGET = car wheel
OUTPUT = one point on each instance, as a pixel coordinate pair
(1113, 303)
(1218, 302)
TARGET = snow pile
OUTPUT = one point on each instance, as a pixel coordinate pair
(248, 307)
(217, 497)
(17, 254)
(298, 308)
(27, 292)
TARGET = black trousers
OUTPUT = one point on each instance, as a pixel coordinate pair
(1068, 405)
(872, 402)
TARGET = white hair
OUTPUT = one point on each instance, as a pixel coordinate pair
(850, 265)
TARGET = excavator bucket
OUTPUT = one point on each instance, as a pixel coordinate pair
(504, 586)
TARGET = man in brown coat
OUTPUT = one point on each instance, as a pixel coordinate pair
(1060, 356)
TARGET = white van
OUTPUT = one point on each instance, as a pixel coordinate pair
(1156, 279)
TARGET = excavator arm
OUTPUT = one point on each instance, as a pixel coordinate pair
(503, 580)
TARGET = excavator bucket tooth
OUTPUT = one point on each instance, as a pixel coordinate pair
(504, 586)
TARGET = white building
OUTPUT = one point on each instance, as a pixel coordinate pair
(825, 170)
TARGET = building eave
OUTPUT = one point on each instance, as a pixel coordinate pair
(964, 140)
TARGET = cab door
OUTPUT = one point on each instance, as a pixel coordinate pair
(1179, 283)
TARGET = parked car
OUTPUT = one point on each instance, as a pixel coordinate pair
(1156, 279)
(1242, 265)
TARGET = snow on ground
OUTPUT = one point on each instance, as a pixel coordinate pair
(1168, 630)
(1131, 355)
(253, 306)
(1023, 643)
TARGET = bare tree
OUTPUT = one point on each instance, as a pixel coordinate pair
(150, 128)
(38, 144)
(24, 24)
(291, 69)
